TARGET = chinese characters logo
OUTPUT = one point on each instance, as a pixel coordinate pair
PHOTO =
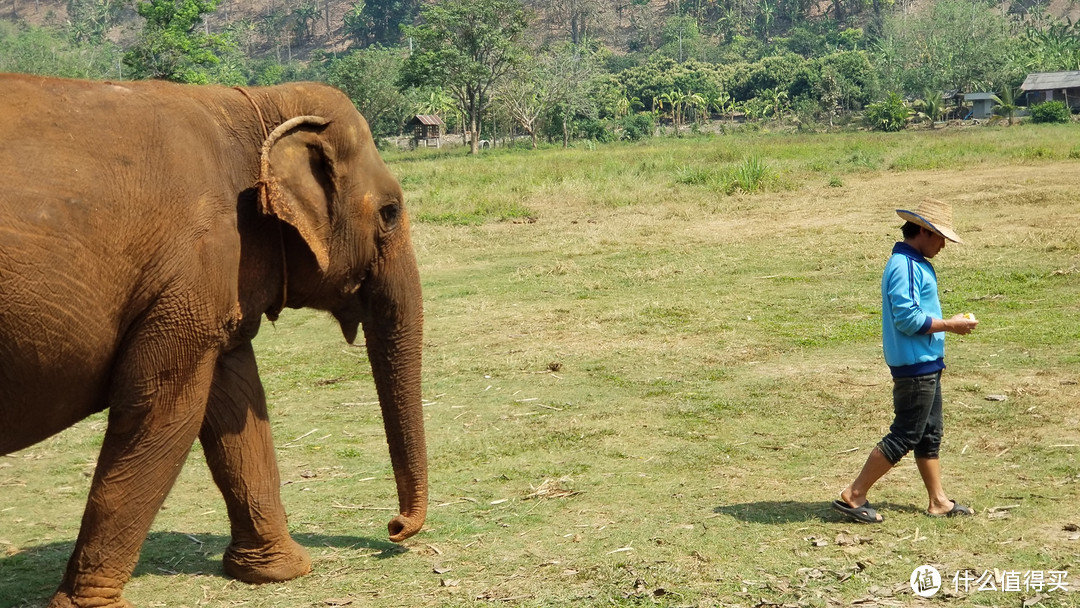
(925, 581)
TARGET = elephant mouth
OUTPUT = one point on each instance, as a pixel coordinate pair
(350, 326)
(350, 314)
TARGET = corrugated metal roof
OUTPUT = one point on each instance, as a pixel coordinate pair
(428, 119)
(978, 96)
(1044, 81)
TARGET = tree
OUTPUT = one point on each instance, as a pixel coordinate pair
(853, 80)
(681, 39)
(1006, 103)
(466, 47)
(889, 114)
(359, 25)
(952, 45)
(369, 77)
(931, 106)
(525, 95)
(388, 15)
(433, 101)
(34, 50)
(577, 17)
(540, 84)
(723, 103)
(776, 102)
(377, 22)
(767, 14)
(581, 101)
(671, 99)
(625, 106)
(696, 106)
(1051, 47)
(173, 46)
(304, 17)
(91, 20)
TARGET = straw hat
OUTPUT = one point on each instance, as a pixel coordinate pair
(934, 215)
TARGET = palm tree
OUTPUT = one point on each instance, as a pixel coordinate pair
(931, 106)
(1006, 103)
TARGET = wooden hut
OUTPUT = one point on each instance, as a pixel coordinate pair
(1046, 86)
(427, 130)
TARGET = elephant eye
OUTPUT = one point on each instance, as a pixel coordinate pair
(390, 214)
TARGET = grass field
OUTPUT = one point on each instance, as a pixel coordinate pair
(648, 370)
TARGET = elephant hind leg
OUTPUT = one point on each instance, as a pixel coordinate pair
(240, 453)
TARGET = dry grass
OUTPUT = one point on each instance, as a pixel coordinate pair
(646, 392)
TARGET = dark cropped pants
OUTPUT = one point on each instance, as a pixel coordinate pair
(917, 422)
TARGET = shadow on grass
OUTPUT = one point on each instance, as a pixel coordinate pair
(790, 511)
(30, 577)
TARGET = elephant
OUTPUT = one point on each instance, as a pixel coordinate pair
(145, 230)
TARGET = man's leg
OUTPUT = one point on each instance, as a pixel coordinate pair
(926, 456)
(910, 416)
(930, 470)
(875, 467)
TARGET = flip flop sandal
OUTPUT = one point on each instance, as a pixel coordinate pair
(864, 514)
(957, 510)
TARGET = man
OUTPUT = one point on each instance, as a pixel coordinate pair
(913, 336)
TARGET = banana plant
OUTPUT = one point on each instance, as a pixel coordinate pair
(697, 103)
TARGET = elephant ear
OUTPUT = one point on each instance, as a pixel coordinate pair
(296, 181)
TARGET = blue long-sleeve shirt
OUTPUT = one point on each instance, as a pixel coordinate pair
(909, 303)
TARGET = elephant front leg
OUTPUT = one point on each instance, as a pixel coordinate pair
(154, 417)
(240, 453)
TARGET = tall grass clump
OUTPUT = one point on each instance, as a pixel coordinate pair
(751, 175)
(695, 176)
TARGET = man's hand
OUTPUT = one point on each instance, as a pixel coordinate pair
(961, 324)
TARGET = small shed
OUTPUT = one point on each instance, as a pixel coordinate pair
(1049, 86)
(427, 130)
(982, 104)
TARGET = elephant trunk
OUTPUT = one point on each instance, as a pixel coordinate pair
(393, 331)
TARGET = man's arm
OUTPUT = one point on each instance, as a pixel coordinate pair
(959, 324)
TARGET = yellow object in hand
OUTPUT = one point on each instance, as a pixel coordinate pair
(970, 316)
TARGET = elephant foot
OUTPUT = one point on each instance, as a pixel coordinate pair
(275, 563)
(62, 599)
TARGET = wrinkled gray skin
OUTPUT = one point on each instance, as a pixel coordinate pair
(145, 229)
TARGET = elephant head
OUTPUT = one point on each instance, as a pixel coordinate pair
(347, 250)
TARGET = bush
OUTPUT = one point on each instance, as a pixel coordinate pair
(890, 114)
(594, 129)
(637, 126)
(1050, 111)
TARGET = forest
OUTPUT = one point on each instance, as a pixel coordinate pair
(566, 70)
